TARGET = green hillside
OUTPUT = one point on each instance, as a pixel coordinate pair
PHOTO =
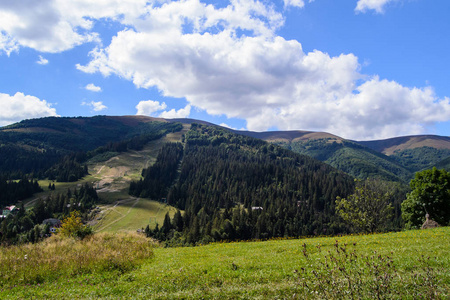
(33, 146)
(351, 158)
(233, 187)
(403, 265)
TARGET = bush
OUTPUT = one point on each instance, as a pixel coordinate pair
(72, 226)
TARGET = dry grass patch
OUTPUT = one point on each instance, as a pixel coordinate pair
(59, 256)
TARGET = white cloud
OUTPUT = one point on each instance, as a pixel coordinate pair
(148, 107)
(58, 25)
(19, 107)
(376, 5)
(294, 3)
(42, 61)
(227, 61)
(96, 106)
(173, 114)
(7, 44)
(260, 77)
(93, 88)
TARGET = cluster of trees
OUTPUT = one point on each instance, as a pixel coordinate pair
(430, 194)
(26, 225)
(13, 191)
(369, 208)
(69, 169)
(234, 187)
(160, 176)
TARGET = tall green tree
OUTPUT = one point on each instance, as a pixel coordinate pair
(430, 193)
(368, 209)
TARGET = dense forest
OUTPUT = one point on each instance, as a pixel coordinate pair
(159, 177)
(26, 225)
(352, 158)
(234, 187)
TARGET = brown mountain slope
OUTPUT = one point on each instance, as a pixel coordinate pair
(389, 146)
(290, 136)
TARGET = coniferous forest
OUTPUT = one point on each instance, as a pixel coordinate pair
(233, 187)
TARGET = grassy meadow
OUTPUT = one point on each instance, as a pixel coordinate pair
(131, 214)
(404, 265)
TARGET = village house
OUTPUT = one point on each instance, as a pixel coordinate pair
(54, 224)
(8, 210)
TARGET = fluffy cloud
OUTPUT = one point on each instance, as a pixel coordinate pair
(261, 77)
(376, 5)
(148, 107)
(93, 88)
(173, 114)
(96, 106)
(295, 3)
(58, 25)
(19, 107)
(42, 61)
(227, 61)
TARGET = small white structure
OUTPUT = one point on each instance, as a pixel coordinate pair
(257, 208)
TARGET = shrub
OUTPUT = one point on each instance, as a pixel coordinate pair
(72, 226)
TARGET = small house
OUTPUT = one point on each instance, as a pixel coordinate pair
(9, 209)
(54, 224)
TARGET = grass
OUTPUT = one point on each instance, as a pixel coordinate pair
(132, 214)
(58, 257)
(403, 265)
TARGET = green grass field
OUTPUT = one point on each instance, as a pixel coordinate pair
(403, 265)
(132, 214)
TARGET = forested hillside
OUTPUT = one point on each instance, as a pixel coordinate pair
(34, 146)
(395, 159)
(351, 158)
(234, 187)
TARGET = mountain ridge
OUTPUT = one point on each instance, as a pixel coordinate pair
(394, 159)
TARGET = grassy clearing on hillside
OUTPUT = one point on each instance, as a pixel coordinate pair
(392, 265)
(113, 175)
(132, 214)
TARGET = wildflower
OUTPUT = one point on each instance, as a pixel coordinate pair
(25, 257)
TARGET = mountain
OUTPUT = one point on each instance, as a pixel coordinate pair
(395, 159)
(33, 146)
(230, 186)
(414, 152)
(345, 155)
(234, 187)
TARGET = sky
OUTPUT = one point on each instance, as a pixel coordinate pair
(360, 69)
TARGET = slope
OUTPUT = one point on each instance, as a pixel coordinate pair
(234, 187)
(347, 156)
(414, 152)
(33, 146)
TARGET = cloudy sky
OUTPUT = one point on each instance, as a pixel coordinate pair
(361, 69)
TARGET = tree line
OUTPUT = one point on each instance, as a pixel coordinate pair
(12, 191)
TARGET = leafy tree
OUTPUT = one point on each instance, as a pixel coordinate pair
(430, 193)
(368, 209)
(72, 226)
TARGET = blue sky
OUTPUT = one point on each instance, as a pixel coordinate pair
(360, 69)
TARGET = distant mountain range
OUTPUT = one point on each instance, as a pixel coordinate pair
(47, 139)
(394, 159)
